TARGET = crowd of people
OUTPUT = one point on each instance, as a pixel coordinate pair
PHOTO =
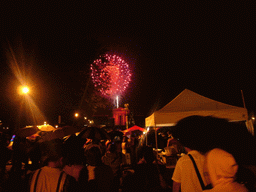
(213, 159)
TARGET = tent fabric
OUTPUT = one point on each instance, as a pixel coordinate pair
(189, 103)
(134, 128)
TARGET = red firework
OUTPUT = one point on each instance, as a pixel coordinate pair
(111, 75)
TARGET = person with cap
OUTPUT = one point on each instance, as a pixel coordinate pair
(51, 177)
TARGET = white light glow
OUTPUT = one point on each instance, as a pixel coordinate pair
(117, 102)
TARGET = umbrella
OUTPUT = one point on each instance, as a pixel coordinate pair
(114, 134)
(60, 133)
(27, 131)
(46, 128)
(94, 133)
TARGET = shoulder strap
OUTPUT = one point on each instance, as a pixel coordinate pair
(197, 172)
(37, 179)
(58, 186)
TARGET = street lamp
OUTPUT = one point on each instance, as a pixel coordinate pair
(76, 114)
(23, 90)
(76, 119)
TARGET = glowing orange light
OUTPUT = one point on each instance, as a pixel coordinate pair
(23, 90)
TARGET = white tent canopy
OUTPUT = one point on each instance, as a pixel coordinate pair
(189, 103)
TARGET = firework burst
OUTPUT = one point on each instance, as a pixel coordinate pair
(111, 75)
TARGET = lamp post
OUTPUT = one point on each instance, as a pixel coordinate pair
(126, 114)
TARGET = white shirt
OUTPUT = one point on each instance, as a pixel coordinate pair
(185, 173)
(48, 179)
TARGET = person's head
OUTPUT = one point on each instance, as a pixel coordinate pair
(111, 148)
(93, 156)
(73, 152)
(95, 141)
(200, 133)
(148, 154)
(52, 151)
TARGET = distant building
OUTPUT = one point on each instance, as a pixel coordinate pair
(120, 116)
(119, 119)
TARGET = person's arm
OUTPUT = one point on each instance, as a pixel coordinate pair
(175, 187)
(176, 176)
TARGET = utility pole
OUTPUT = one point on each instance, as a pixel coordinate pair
(126, 113)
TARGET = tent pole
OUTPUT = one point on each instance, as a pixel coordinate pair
(155, 132)
(248, 122)
(156, 143)
(147, 138)
(243, 98)
(156, 137)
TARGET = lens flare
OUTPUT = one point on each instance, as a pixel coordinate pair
(29, 112)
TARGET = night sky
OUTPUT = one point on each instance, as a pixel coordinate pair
(207, 47)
